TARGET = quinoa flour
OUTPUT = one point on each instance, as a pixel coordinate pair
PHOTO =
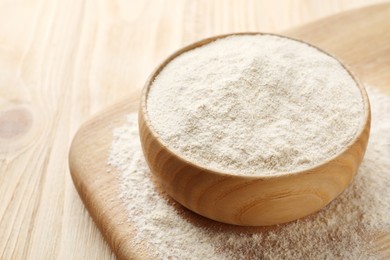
(346, 228)
(255, 104)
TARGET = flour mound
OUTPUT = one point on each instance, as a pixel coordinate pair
(345, 229)
(255, 105)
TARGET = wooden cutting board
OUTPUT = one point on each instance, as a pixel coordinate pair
(360, 38)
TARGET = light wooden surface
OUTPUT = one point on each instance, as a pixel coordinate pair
(62, 61)
(246, 200)
(89, 151)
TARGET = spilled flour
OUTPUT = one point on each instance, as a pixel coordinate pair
(343, 230)
(255, 105)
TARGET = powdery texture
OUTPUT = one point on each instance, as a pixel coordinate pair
(342, 230)
(255, 105)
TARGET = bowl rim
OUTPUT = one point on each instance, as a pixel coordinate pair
(366, 120)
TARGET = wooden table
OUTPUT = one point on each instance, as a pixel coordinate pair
(62, 61)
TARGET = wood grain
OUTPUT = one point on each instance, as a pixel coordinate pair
(84, 148)
(248, 200)
(62, 61)
(92, 176)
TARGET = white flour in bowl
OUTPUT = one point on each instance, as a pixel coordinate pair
(345, 229)
(255, 105)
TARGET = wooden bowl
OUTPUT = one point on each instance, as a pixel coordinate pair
(249, 200)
